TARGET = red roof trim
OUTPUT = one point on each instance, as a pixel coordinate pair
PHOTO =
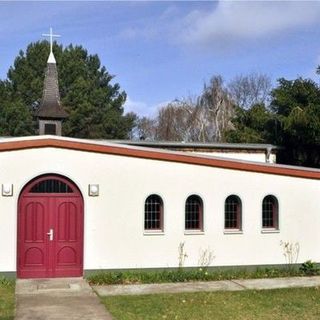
(158, 155)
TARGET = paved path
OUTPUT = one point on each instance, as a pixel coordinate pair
(226, 285)
(73, 298)
(58, 299)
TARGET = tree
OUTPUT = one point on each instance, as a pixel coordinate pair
(146, 128)
(203, 119)
(291, 121)
(15, 119)
(217, 110)
(174, 121)
(254, 125)
(249, 90)
(94, 104)
(296, 104)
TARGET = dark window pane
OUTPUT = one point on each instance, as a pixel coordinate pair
(153, 213)
(270, 212)
(232, 211)
(51, 186)
(193, 213)
(50, 128)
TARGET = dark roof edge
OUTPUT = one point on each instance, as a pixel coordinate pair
(209, 145)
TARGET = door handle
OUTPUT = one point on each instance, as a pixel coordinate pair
(50, 234)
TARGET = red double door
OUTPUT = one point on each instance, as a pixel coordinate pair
(50, 230)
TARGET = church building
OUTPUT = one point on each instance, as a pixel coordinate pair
(72, 206)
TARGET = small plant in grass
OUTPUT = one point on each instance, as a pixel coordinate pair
(291, 253)
(309, 268)
(206, 257)
(182, 255)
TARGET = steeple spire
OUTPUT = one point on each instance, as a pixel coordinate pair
(51, 58)
(50, 112)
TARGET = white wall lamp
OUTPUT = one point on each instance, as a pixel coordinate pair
(7, 190)
(93, 190)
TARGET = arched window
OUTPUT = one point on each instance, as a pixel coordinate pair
(52, 185)
(270, 214)
(194, 213)
(153, 213)
(232, 213)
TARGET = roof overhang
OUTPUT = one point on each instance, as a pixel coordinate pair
(34, 142)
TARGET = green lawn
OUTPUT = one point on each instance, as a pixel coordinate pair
(247, 305)
(7, 301)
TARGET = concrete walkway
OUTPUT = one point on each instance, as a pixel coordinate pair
(226, 285)
(58, 299)
(73, 298)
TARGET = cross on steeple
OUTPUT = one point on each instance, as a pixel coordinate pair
(51, 35)
(50, 113)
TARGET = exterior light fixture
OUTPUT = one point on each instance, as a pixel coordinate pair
(93, 190)
(7, 190)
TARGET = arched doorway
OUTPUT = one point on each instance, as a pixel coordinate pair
(50, 229)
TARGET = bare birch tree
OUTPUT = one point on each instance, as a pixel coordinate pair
(217, 110)
(200, 120)
(248, 90)
(207, 117)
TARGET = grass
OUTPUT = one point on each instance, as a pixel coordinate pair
(7, 299)
(284, 304)
(134, 277)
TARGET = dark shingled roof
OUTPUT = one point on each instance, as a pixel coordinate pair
(50, 106)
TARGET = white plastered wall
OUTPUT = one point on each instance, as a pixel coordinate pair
(114, 235)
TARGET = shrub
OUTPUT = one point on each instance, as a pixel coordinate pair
(309, 268)
(185, 275)
(4, 282)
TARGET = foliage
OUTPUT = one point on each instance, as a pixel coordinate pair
(8, 283)
(7, 300)
(291, 121)
(295, 304)
(290, 252)
(15, 118)
(309, 268)
(296, 104)
(254, 125)
(184, 275)
(94, 104)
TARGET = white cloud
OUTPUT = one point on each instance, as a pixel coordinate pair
(142, 109)
(154, 27)
(226, 23)
(234, 21)
(137, 107)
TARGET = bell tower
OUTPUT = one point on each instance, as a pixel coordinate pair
(50, 113)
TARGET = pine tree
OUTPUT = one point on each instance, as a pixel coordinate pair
(94, 104)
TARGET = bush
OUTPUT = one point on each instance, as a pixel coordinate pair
(4, 282)
(183, 275)
(309, 268)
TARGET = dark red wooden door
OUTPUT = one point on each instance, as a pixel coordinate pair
(50, 229)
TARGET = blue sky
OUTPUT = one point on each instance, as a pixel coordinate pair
(161, 50)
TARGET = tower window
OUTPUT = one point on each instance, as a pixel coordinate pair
(50, 128)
